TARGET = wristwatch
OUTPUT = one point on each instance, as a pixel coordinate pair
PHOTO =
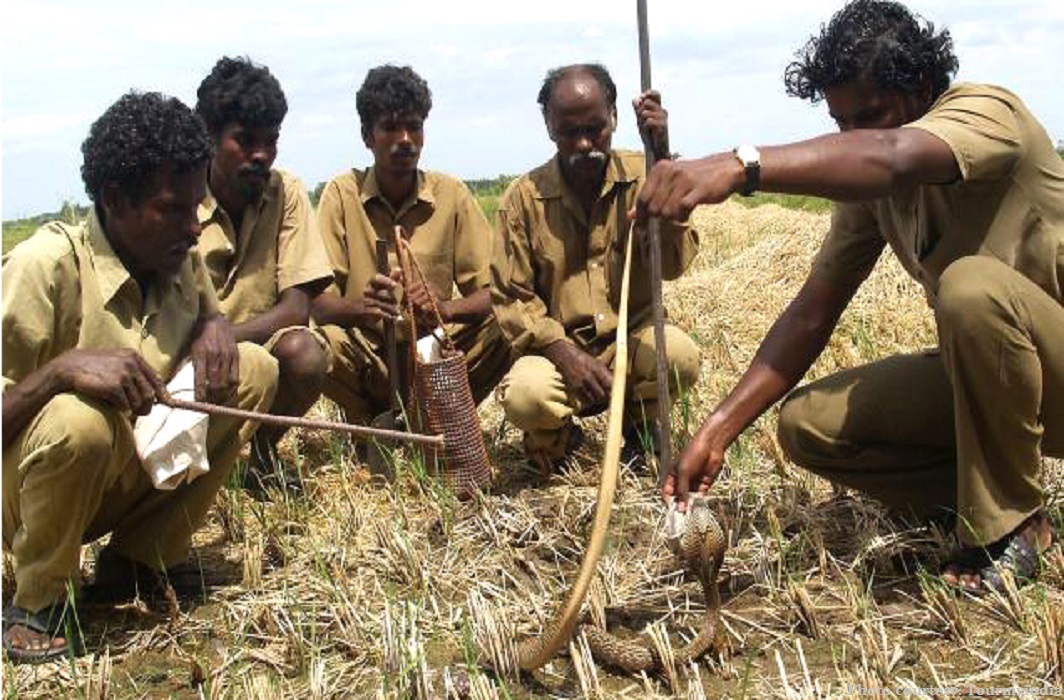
(750, 157)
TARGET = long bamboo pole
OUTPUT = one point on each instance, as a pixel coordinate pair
(654, 242)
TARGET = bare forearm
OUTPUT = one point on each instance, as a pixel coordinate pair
(793, 343)
(291, 310)
(471, 309)
(857, 165)
(25, 400)
(331, 309)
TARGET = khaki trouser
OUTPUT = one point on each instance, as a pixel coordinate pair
(72, 476)
(358, 381)
(961, 431)
(536, 399)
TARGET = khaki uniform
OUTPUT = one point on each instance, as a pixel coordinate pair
(556, 275)
(962, 429)
(72, 475)
(278, 247)
(451, 241)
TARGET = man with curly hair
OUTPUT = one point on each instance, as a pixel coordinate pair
(96, 317)
(557, 273)
(962, 182)
(261, 244)
(446, 231)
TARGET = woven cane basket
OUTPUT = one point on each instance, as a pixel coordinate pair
(447, 406)
(445, 402)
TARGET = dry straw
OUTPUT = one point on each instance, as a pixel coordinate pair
(367, 590)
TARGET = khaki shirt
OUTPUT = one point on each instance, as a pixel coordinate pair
(278, 248)
(557, 272)
(64, 288)
(1008, 204)
(450, 238)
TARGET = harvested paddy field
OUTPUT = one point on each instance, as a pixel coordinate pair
(359, 589)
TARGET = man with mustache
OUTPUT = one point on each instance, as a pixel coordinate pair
(96, 317)
(261, 244)
(446, 230)
(557, 269)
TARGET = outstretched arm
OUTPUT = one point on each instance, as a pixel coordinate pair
(855, 165)
(794, 342)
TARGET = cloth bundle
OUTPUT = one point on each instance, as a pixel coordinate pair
(172, 442)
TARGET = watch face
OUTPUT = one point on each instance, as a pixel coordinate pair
(748, 155)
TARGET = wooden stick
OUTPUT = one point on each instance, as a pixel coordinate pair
(537, 651)
(434, 441)
(654, 241)
(390, 349)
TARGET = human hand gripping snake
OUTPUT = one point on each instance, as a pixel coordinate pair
(701, 545)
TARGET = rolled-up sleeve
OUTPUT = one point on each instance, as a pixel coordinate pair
(980, 129)
(301, 255)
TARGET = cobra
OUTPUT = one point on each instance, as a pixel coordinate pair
(701, 543)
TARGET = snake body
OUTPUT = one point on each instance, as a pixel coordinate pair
(701, 544)
(701, 547)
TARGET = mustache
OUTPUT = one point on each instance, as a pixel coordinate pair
(256, 169)
(597, 157)
(403, 151)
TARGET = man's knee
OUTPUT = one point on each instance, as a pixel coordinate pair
(970, 291)
(258, 375)
(794, 427)
(684, 358)
(82, 428)
(682, 353)
(528, 390)
(301, 360)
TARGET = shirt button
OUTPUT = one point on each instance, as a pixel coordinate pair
(600, 316)
(144, 332)
(594, 265)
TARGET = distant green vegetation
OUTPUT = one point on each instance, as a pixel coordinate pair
(493, 185)
(488, 191)
(800, 202)
(17, 230)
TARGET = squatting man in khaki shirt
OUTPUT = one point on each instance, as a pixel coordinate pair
(964, 185)
(261, 245)
(95, 318)
(557, 274)
(446, 230)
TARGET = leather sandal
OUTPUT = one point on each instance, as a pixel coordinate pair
(1015, 555)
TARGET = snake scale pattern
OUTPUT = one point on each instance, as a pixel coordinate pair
(700, 546)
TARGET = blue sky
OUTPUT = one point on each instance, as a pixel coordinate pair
(718, 64)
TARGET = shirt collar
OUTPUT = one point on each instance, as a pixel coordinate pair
(552, 184)
(209, 209)
(371, 190)
(111, 273)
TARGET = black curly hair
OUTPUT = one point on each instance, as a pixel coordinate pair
(391, 89)
(135, 137)
(238, 90)
(878, 40)
(595, 70)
